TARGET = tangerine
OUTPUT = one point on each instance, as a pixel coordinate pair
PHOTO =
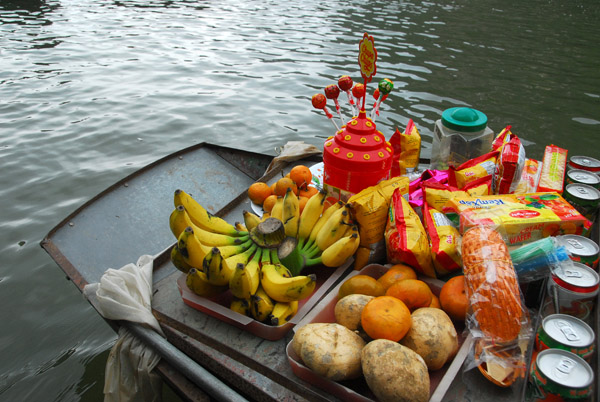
(269, 203)
(396, 273)
(308, 191)
(413, 292)
(258, 192)
(361, 284)
(453, 298)
(435, 302)
(283, 184)
(386, 317)
(273, 187)
(301, 175)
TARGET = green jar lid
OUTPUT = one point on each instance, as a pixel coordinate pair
(464, 119)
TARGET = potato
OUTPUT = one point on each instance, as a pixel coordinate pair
(330, 350)
(394, 372)
(432, 336)
(348, 309)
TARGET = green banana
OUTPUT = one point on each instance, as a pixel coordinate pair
(282, 313)
(290, 215)
(310, 215)
(191, 249)
(334, 228)
(241, 306)
(283, 289)
(246, 278)
(251, 220)
(201, 217)
(336, 254)
(196, 281)
(178, 260)
(261, 305)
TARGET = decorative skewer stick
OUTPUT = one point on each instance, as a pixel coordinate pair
(358, 91)
(320, 102)
(333, 92)
(381, 94)
(345, 83)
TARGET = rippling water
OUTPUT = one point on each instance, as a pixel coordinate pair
(93, 90)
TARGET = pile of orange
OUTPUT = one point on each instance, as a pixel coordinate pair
(298, 179)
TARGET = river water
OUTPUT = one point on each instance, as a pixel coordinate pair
(92, 90)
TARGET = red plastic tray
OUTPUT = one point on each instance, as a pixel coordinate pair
(218, 306)
(358, 390)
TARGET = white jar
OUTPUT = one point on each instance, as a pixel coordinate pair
(460, 135)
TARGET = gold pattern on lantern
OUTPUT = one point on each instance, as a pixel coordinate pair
(336, 150)
(388, 144)
(328, 143)
(348, 137)
(354, 122)
(330, 137)
(389, 150)
(363, 140)
(376, 137)
(350, 155)
(368, 124)
(367, 156)
(381, 154)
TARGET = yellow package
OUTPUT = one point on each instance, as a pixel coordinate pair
(444, 240)
(407, 150)
(530, 177)
(405, 238)
(369, 209)
(520, 218)
(474, 169)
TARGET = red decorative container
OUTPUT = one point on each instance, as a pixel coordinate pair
(358, 156)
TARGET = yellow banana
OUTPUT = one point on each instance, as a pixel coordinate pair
(321, 222)
(266, 215)
(178, 260)
(246, 278)
(229, 264)
(333, 229)
(201, 217)
(269, 256)
(212, 265)
(191, 249)
(277, 211)
(196, 281)
(241, 306)
(336, 254)
(180, 219)
(290, 214)
(310, 214)
(261, 305)
(251, 220)
(283, 289)
(241, 227)
(282, 313)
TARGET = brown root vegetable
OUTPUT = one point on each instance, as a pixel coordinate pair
(394, 372)
(330, 350)
(433, 336)
(348, 308)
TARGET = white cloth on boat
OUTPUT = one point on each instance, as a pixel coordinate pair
(125, 294)
(292, 151)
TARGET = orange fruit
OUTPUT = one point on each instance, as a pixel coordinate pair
(258, 192)
(301, 175)
(413, 292)
(385, 317)
(396, 273)
(308, 191)
(269, 202)
(302, 203)
(273, 187)
(453, 298)
(435, 302)
(361, 284)
(283, 184)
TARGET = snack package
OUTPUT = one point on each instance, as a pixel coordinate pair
(553, 170)
(407, 150)
(510, 162)
(405, 238)
(530, 177)
(415, 191)
(471, 170)
(520, 218)
(437, 195)
(444, 241)
(496, 318)
(370, 209)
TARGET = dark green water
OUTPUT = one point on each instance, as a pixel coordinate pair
(93, 90)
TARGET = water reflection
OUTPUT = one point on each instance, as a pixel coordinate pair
(159, 3)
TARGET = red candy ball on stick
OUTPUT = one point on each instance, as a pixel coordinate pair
(345, 83)
(320, 102)
(358, 91)
(333, 92)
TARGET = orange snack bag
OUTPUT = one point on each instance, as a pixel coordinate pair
(471, 170)
(405, 238)
(553, 170)
(444, 240)
(407, 150)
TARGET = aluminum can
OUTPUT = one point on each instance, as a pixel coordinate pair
(573, 288)
(561, 331)
(581, 249)
(583, 198)
(579, 176)
(584, 163)
(559, 375)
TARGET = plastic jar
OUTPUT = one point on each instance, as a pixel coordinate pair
(461, 134)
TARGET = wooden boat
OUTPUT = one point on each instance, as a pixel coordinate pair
(129, 219)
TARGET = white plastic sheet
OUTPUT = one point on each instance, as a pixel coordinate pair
(125, 294)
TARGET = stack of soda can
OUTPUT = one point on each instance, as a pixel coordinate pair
(582, 185)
